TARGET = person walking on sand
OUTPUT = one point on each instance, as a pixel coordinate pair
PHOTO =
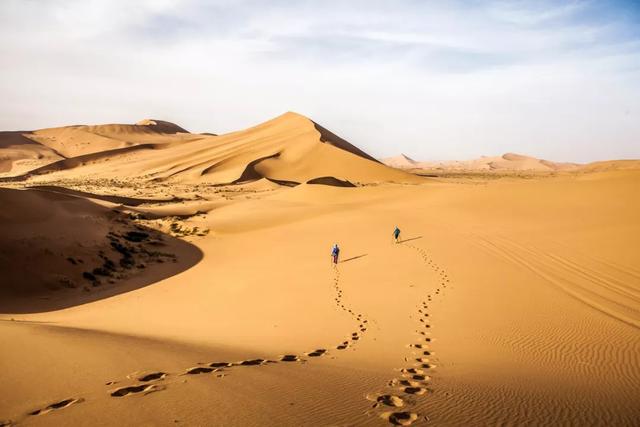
(396, 233)
(335, 252)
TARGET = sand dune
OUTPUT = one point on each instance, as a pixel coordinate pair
(506, 162)
(290, 150)
(611, 165)
(401, 162)
(210, 298)
(24, 152)
(20, 153)
(74, 141)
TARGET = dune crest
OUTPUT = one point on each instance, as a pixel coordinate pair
(289, 150)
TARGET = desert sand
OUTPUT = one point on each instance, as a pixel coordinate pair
(152, 276)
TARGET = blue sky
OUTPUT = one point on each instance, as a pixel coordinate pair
(434, 80)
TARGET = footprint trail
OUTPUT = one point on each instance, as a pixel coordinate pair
(413, 382)
(358, 317)
(149, 381)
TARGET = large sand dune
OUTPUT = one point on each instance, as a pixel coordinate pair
(290, 149)
(506, 302)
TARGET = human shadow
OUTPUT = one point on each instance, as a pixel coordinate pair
(409, 239)
(128, 256)
(352, 258)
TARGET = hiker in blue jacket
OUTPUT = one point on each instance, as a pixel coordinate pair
(335, 252)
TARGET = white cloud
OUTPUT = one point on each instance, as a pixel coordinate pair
(433, 80)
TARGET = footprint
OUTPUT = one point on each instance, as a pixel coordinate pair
(252, 362)
(57, 405)
(317, 353)
(412, 371)
(400, 418)
(153, 376)
(134, 389)
(220, 364)
(415, 390)
(199, 370)
(290, 358)
(419, 345)
(390, 400)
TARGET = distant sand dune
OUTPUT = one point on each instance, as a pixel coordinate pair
(506, 162)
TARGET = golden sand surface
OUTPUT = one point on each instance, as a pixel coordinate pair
(151, 276)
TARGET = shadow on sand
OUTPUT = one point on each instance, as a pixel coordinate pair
(129, 201)
(123, 270)
(409, 239)
(352, 258)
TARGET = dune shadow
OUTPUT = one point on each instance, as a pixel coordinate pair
(332, 181)
(74, 162)
(128, 257)
(409, 239)
(128, 201)
(352, 258)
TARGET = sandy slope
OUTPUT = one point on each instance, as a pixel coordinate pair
(508, 301)
(54, 242)
(20, 153)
